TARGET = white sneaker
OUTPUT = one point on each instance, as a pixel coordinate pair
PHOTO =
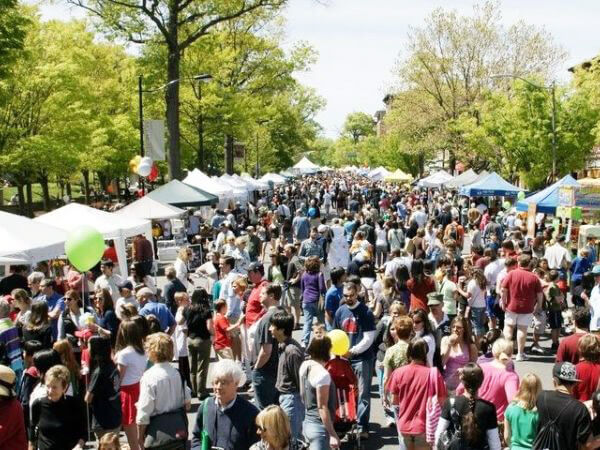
(521, 357)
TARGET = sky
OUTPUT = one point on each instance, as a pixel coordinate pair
(360, 41)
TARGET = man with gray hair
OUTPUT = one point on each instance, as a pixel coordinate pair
(9, 339)
(150, 306)
(34, 279)
(231, 418)
(172, 286)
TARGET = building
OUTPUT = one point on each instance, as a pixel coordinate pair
(380, 115)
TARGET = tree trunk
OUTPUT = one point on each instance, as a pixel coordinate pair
(43, 179)
(172, 93)
(29, 194)
(118, 186)
(21, 196)
(69, 191)
(86, 185)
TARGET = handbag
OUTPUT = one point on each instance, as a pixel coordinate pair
(450, 437)
(168, 428)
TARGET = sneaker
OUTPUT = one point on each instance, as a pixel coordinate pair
(521, 357)
(537, 349)
(554, 348)
(364, 435)
(390, 422)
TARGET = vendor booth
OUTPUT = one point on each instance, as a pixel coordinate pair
(25, 241)
(150, 209)
(177, 193)
(547, 200)
(305, 166)
(110, 225)
(435, 180)
(490, 186)
(398, 177)
(274, 178)
(465, 178)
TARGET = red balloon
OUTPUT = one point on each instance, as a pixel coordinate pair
(153, 173)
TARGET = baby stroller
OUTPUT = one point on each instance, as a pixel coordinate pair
(345, 421)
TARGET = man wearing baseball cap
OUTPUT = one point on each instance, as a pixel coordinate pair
(571, 417)
(12, 422)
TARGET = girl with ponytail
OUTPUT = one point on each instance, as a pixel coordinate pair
(477, 427)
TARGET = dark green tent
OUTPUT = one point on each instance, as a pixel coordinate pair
(177, 193)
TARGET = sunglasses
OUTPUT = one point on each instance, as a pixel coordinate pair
(417, 322)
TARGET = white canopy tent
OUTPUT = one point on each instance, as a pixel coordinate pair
(378, 174)
(273, 177)
(110, 225)
(435, 180)
(150, 209)
(240, 194)
(22, 238)
(198, 179)
(238, 182)
(260, 185)
(305, 166)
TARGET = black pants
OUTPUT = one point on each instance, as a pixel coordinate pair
(184, 368)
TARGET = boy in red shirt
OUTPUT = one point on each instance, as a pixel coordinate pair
(222, 342)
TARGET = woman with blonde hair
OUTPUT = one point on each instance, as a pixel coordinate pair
(67, 357)
(181, 265)
(273, 426)
(521, 417)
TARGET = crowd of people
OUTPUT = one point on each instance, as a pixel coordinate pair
(435, 292)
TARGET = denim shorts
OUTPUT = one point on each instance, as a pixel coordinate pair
(478, 320)
(490, 302)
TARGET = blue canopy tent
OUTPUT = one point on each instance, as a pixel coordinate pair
(489, 186)
(547, 199)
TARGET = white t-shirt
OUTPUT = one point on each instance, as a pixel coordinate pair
(180, 336)
(491, 272)
(135, 363)
(477, 299)
(318, 375)
(381, 234)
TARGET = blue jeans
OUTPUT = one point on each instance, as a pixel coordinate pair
(265, 393)
(311, 310)
(389, 414)
(294, 408)
(316, 434)
(363, 369)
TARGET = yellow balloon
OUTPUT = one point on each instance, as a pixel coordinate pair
(340, 343)
(137, 159)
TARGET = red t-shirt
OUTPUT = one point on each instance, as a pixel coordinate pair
(12, 425)
(567, 349)
(523, 288)
(409, 385)
(111, 253)
(419, 291)
(221, 337)
(588, 373)
(254, 309)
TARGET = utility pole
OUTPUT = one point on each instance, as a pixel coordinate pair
(553, 88)
(141, 105)
(229, 154)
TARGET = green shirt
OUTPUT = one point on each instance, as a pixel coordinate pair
(554, 296)
(523, 426)
(447, 289)
(395, 356)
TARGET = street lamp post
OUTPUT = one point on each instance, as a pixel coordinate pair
(552, 89)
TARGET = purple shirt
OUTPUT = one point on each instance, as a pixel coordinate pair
(312, 286)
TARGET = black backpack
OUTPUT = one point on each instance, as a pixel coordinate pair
(549, 437)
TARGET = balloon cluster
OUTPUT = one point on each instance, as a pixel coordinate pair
(144, 167)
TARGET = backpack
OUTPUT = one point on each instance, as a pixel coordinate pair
(549, 436)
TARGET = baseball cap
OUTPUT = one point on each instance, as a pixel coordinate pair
(596, 269)
(126, 284)
(434, 299)
(7, 381)
(322, 228)
(256, 267)
(565, 371)
(107, 262)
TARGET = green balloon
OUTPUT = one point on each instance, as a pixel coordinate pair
(84, 247)
(506, 204)
(521, 195)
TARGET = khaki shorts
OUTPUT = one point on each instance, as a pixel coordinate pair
(224, 353)
(539, 322)
(519, 320)
(417, 440)
(294, 296)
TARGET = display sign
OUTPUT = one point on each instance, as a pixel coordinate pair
(588, 197)
(566, 196)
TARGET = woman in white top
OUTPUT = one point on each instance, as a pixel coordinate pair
(381, 244)
(181, 265)
(131, 363)
(475, 295)
(422, 328)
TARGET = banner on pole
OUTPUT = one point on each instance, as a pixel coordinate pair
(154, 139)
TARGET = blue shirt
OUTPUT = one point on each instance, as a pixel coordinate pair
(161, 312)
(332, 299)
(55, 300)
(578, 267)
(301, 226)
(355, 322)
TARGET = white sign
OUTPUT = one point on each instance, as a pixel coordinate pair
(154, 139)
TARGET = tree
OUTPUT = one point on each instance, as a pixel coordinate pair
(176, 24)
(452, 59)
(13, 24)
(358, 125)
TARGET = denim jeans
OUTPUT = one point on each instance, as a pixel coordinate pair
(311, 310)
(265, 393)
(294, 408)
(363, 369)
(315, 434)
(388, 413)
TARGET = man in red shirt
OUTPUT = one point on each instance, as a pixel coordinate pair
(567, 349)
(254, 309)
(521, 295)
